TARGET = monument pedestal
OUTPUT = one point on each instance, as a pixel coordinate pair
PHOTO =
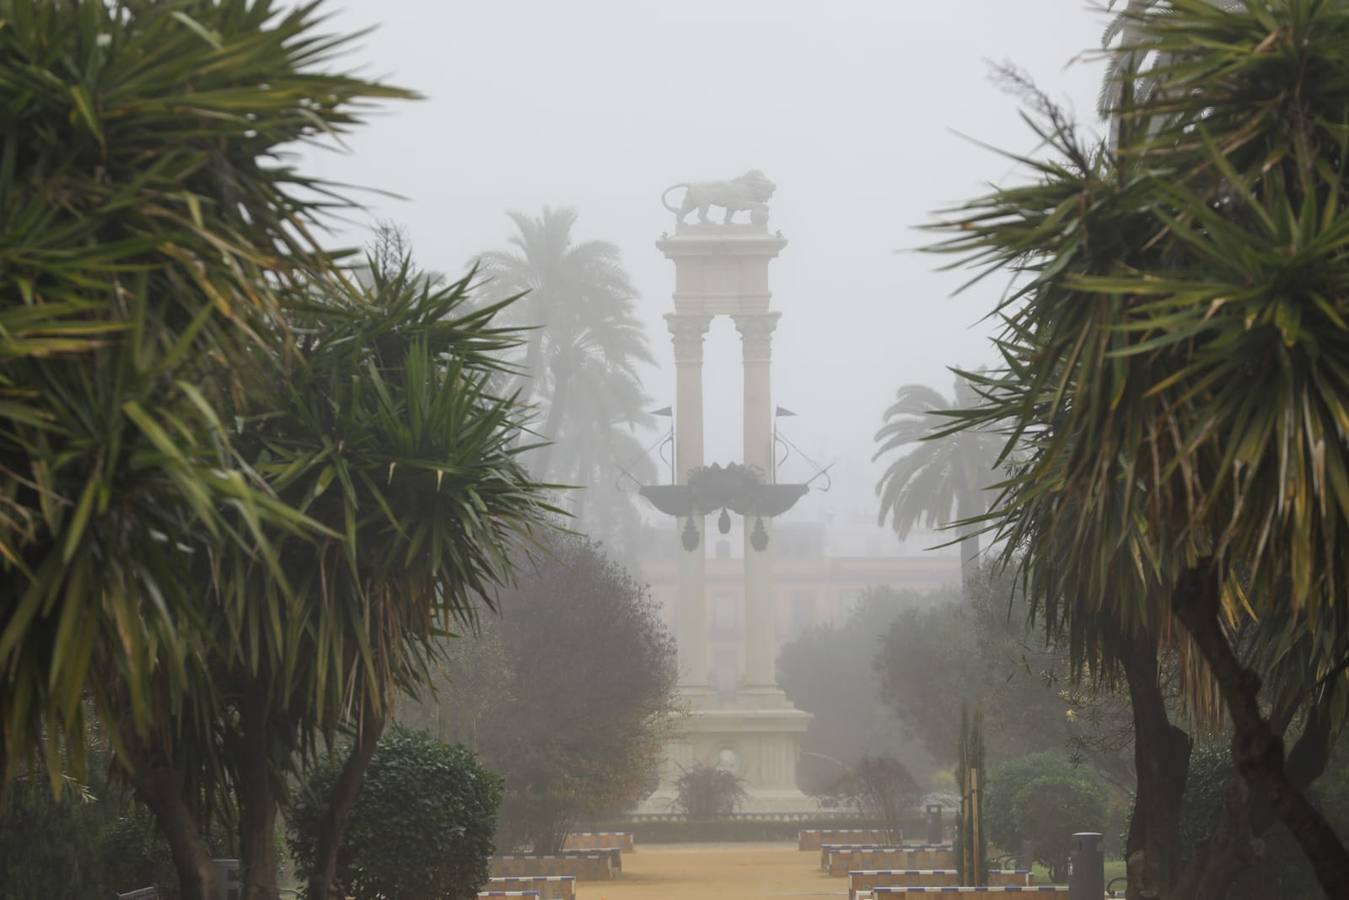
(756, 736)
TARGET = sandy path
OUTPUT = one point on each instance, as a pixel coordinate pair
(716, 872)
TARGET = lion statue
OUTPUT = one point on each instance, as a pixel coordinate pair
(750, 192)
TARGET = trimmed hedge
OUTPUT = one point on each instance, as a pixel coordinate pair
(739, 830)
(423, 825)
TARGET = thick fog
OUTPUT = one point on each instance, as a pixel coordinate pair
(864, 112)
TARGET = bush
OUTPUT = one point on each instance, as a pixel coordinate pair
(1051, 809)
(1000, 793)
(567, 695)
(93, 841)
(1281, 869)
(708, 792)
(880, 788)
(422, 826)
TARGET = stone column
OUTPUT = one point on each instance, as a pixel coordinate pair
(687, 333)
(756, 337)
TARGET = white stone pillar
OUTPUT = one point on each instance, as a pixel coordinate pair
(687, 333)
(756, 337)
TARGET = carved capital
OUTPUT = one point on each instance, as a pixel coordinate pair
(687, 333)
(756, 335)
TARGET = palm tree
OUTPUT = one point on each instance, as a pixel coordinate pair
(943, 474)
(384, 428)
(580, 360)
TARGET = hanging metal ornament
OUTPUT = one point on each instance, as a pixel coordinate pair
(689, 536)
(758, 538)
(724, 523)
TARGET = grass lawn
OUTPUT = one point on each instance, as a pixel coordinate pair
(1114, 868)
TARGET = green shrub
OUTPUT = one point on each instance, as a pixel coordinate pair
(1005, 782)
(1051, 809)
(422, 826)
(1281, 869)
(706, 792)
(93, 841)
(880, 788)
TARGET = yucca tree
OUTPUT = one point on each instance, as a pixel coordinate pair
(1173, 387)
(580, 362)
(944, 479)
(381, 427)
(146, 232)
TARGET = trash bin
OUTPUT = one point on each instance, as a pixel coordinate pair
(934, 829)
(1086, 867)
(229, 880)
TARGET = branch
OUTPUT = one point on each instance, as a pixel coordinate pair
(1257, 750)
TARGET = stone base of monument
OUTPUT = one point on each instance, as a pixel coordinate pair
(756, 735)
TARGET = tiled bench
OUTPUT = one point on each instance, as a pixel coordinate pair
(596, 866)
(828, 849)
(600, 840)
(813, 839)
(866, 879)
(548, 887)
(840, 861)
(965, 893)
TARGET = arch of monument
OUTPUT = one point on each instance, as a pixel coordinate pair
(722, 269)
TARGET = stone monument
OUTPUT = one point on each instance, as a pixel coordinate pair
(722, 269)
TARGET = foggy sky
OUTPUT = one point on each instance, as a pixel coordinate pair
(850, 106)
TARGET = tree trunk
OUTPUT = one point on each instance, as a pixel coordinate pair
(1230, 848)
(162, 789)
(1162, 762)
(4, 776)
(968, 508)
(557, 408)
(323, 881)
(1257, 751)
(258, 800)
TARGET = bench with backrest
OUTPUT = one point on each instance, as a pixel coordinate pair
(827, 849)
(1010, 892)
(841, 862)
(550, 887)
(615, 855)
(596, 866)
(600, 840)
(861, 880)
(813, 839)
